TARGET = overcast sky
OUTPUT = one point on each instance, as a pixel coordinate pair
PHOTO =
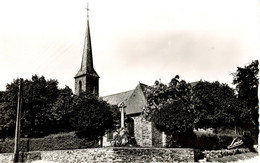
(132, 40)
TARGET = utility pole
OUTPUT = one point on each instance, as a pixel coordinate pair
(18, 122)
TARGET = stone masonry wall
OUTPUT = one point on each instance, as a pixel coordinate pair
(138, 130)
(95, 155)
(147, 133)
(156, 137)
(143, 131)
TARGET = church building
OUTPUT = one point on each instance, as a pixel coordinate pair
(144, 132)
(87, 79)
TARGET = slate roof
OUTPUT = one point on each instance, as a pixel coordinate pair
(134, 100)
(194, 83)
(116, 99)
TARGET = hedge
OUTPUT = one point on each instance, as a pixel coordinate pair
(52, 142)
(205, 141)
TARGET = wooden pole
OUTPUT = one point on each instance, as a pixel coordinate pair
(18, 123)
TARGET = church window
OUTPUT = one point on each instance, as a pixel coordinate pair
(80, 87)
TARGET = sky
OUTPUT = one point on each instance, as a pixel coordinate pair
(132, 40)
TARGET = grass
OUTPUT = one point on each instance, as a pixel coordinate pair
(232, 158)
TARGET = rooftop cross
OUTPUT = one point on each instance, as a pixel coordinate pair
(87, 10)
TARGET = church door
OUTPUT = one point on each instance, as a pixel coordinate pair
(130, 126)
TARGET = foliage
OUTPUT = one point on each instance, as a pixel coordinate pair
(202, 141)
(215, 104)
(39, 98)
(7, 120)
(170, 107)
(61, 141)
(59, 115)
(246, 81)
(46, 109)
(92, 116)
(116, 115)
(2, 96)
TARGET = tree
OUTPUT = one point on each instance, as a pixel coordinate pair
(59, 114)
(246, 81)
(215, 104)
(39, 95)
(92, 116)
(2, 96)
(170, 107)
(7, 120)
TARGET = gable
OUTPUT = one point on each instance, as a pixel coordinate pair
(134, 100)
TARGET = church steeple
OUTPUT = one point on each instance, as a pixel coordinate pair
(87, 78)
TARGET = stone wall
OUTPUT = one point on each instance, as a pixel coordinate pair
(156, 137)
(138, 130)
(147, 133)
(110, 155)
(143, 131)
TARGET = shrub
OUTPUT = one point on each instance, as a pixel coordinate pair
(7, 146)
(204, 141)
(60, 142)
(52, 142)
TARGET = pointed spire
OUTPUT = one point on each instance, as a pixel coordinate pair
(87, 59)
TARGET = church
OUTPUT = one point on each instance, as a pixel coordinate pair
(134, 101)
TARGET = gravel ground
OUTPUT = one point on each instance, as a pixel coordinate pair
(251, 160)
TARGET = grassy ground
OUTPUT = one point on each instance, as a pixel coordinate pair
(234, 158)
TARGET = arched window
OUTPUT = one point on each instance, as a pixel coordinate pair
(80, 87)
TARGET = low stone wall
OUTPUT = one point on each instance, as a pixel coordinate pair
(110, 155)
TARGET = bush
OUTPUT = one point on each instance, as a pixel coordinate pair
(52, 142)
(205, 141)
(60, 142)
(7, 146)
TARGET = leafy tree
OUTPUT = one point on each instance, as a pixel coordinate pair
(2, 96)
(215, 103)
(7, 120)
(170, 107)
(59, 114)
(92, 116)
(246, 81)
(38, 96)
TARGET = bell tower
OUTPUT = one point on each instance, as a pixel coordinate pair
(87, 79)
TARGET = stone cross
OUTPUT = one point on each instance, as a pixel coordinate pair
(122, 106)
